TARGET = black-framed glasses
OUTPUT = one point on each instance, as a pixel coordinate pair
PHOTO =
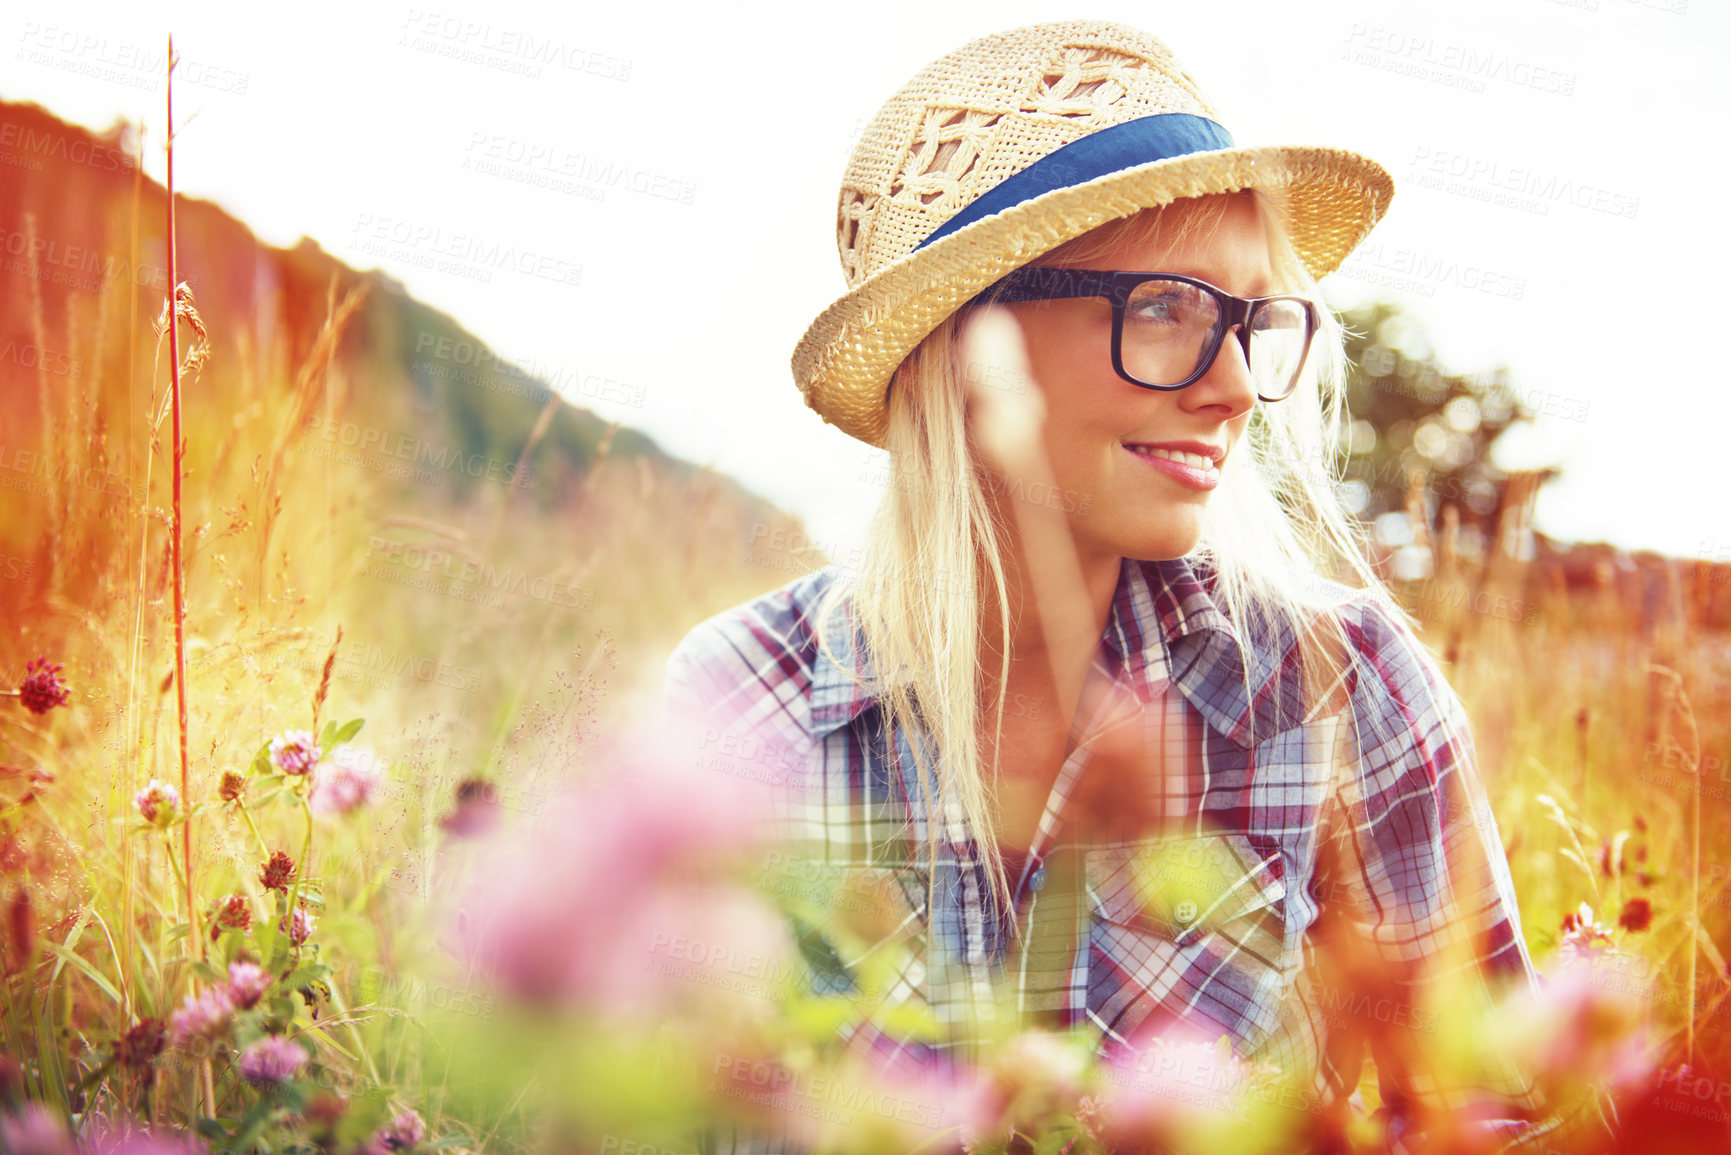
(1168, 328)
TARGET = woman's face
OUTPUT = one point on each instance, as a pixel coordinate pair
(1122, 500)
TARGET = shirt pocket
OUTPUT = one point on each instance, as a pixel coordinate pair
(1189, 888)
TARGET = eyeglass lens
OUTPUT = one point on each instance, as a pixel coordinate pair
(1169, 327)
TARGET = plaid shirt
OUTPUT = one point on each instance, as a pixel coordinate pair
(1206, 928)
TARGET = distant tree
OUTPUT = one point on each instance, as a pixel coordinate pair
(1413, 420)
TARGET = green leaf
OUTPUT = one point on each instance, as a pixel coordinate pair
(324, 1037)
(253, 1123)
(261, 760)
(349, 730)
(83, 965)
(327, 736)
(71, 942)
(208, 972)
(305, 975)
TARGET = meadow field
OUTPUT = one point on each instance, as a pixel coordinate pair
(335, 847)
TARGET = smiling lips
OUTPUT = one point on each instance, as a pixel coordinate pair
(1192, 463)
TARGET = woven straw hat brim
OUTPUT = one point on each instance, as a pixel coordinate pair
(1329, 199)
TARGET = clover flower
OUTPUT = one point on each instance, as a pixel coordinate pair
(232, 788)
(300, 926)
(246, 984)
(42, 689)
(345, 781)
(402, 1133)
(636, 853)
(273, 1059)
(203, 1016)
(277, 873)
(141, 1043)
(294, 752)
(233, 913)
(158, 802)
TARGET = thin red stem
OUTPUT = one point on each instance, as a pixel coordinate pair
(175, 524)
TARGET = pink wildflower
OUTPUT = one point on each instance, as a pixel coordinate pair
(1172, 1094)
(273, 1059)
(300, 927)
(402, 1133)
(203, 1016)
(1583, 936)
(139, 1142)
(477, 809)
(582, 905)
(42, 689)
(35, 1131)
(345, 781)
(1580, 1029)
(294, 752)
(158, 802)
(246, 984)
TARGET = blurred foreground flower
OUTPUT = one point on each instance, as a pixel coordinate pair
(477, 809)
(273, 1059)
(294, 752)
(346, 780)
(1580, 1032)
(1181, 1094)
(618, 894)
(158, 803)
(203, 1016)
(35, 1130)
(1033, 1077)
(401, 1134)
(246, 984)
(42, 689)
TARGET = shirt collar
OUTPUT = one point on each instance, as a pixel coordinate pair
(1163, 619)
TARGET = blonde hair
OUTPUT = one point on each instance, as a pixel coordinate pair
(1274, 533)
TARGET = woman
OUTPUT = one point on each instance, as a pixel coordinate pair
(1093, 715)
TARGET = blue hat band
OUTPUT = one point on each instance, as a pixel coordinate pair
(1135, 142)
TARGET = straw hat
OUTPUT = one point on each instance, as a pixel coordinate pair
(1014, 144)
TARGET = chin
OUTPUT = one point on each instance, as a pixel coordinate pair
(1159, 546)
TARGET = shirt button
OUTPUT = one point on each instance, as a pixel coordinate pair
(1037, 881)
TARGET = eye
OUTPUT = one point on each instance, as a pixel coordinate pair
(1169, 305)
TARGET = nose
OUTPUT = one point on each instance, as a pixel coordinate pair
(1227, 385)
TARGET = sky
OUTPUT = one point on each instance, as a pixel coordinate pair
(670, 173)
